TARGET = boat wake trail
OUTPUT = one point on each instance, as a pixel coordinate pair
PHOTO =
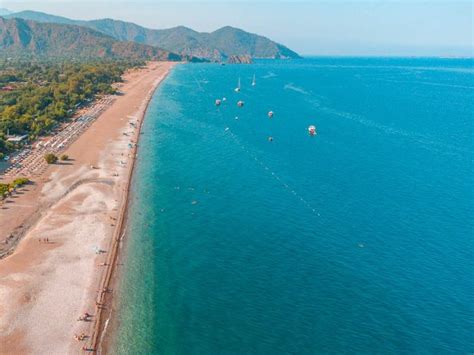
(269, 75)
(423, 140)
(430, 83)
(295, 88)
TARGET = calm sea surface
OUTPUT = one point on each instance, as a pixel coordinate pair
(359, 239)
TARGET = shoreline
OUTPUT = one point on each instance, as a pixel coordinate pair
(80, 207)
(111, 278)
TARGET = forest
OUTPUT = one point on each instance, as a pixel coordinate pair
(37, 95)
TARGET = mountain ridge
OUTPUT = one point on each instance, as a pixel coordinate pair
(26, 38)
(217, 45)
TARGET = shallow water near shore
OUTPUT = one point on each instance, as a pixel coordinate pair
(356, 240)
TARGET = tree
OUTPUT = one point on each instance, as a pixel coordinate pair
(18, 182)
(50, 158)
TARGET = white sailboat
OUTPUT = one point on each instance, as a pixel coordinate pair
(237, 89)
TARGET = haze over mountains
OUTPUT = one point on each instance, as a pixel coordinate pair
(217, 45)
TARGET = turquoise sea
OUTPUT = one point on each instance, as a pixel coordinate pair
(357, 240)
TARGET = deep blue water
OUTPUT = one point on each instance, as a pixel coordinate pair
(359, 239)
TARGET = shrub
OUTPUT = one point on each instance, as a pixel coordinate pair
(19, 182)
(50, 158)
(3, 191)
(64, 157)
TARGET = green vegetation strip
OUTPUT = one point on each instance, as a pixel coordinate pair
(36, 96)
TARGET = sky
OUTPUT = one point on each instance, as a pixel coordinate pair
(317, 27)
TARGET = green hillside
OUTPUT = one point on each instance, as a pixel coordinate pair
(21, 38)
(215, 45)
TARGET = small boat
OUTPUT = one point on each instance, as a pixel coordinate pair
(312, 130)
(218, 102)
(237, 89)
(254, 82)
(240, 103)
(226, 129)
(270, 114)
(270, 139)
(224, 99)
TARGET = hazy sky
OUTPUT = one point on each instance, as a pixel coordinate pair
(337, 27)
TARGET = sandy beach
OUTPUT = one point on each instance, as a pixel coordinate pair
(69, 220)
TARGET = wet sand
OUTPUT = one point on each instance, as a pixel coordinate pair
(46, 286)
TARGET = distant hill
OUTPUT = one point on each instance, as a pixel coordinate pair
(23, 38)
(217, 45)
(4, 12)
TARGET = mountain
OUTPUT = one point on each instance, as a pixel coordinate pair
(24, 38)
(216, 45)
(41, 17)
(4, 12)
